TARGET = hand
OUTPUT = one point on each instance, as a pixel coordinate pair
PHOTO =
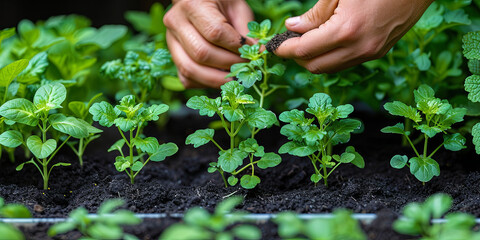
(338, 34)
(204, 36)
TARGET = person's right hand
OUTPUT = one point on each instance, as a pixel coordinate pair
(203, 37)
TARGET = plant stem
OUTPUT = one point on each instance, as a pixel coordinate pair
(223, 177)
(45, 174)
(130, 146)
(425, 145)
(80, 152)
(436, 149)
(411, 144)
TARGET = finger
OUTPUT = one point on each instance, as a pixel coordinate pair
(202, 51)
(192, 72)
(313, 43)
(313, 18)
(214, 26)
(239, 15)
(333, 61)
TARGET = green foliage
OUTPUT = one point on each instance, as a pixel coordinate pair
(106, 225)
(431, 116)
(416, 220)
(224, 223)
(340, 227)
(40, 115)
(12, 210)
(236, 109)
(130, 117)
(312, 137)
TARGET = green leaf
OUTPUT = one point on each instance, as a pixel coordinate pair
(424, 169)
(343, 111)
(126, 124)
(61, 227)
(316, 178)
(148, 145)
(60, 164)
(250, 145)
(346, 157)
(6, 33)
(102, 231)
(398, 128)
(249, 78)
(423, 62)
(121, 163)
(20, 110)
(397, 108)
(152, 112)
(430, 131)
(15, 211)
(137, 166)
(77, 108)
(296, 149)
(358, 161)
(247, 232)
(228, 205)
(118, 145)
(260, 118)
(249, 181)
(313, 135)
(207, 106)
(232, 114)
(41, 149)
(229, 160)
(472, 86)
(200, 137)
(185, 232)
(289, 225)
(233, 92)
(471, 45)
(36, 67)
(454, 142)
(474, 66)
(250, 52)
(398, 161)
(277, 69)
(320, 105)
(109, 206)
(50, 96)
(345, 126)
(232, 180)
(476, 137)
(294, 117)
(457, 16)
(105, 36)
(163, 151)
(423, 93)
(269, 160)
(20, 167)
(68, 125)
(11, 138)
(431, 19)
(11, 71)
(296, 133)
(438, 204)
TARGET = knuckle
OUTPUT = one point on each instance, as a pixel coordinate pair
(185, 72)
(214, 33)
(313, 68)
(200, 54)
(303, 53)
(168, 19)
(348, 32)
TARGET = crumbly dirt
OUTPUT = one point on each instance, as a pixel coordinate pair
(276, 41)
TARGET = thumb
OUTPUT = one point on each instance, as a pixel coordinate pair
(316, 16)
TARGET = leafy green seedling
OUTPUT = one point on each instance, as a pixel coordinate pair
(7, 231)
(236, 110)
(105, 225)
(130, 117)
(417, 220)
(40, 114)
(224, 223)
(340, 226)
(312, 137)
(80, 110)
(431, 116)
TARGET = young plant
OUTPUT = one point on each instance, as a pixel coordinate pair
(40, 114)
(314, 137)
(224, 223)
(340, 226)
(80, 110)
(431, 116)
(236, 110)
(8, 231)
(105, 225)
(417, 221)
(130, 117)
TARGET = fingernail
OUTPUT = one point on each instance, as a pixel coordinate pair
(292, 21)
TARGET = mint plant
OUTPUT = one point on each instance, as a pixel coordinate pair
(417, 220)
(236, 109)
(340, 226)
(313, 137)
(224, 223)
(130, 118)
(107, 224)
(40, 114)
(431, 116)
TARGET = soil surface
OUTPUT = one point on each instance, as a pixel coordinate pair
(182, 181)
(276, 41)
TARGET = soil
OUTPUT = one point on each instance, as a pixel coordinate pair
(182, 181)
(276, 41)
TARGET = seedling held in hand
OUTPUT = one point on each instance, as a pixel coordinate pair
(130, 118)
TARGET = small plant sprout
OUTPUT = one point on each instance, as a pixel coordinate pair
(224, 223)
(431, 116)
(236, 110)
(40, 114)
(313, 137)
(257, 72)
(130, 118)
(105, 225)
(417, 220)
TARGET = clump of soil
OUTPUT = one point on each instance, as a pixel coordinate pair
(275, 42)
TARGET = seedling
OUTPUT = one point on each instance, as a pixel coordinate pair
(39, 114)
(130, 117)
(106, 225)
(340, 226)
(431, 116)
(224, 223)
(313, 137)
(236, 110)
(417, 220)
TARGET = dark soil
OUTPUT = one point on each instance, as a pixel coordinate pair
(182, 181)
(276, 41)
